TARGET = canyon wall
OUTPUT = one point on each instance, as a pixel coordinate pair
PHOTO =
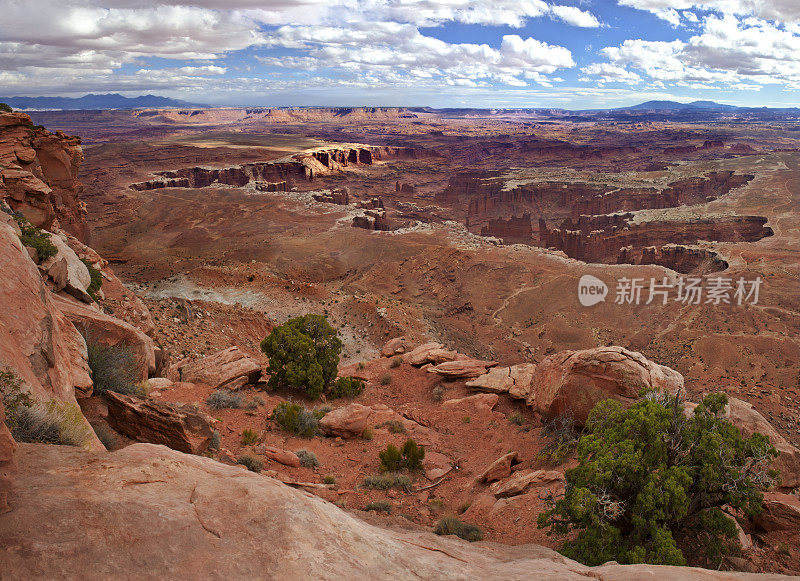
(301, 167)
(39, 175)
(616, 238)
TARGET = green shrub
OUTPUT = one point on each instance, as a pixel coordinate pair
(413, 455)
(97, 279)
(307, 459)
(346, 387)
(50, 422)
(114, 368)
(386, 379)
(649, 477)
(329, 479)
(249, 437)
(368, 434)
(450, 525)
(215, 442)
(387, 480)
(379, 506)
(35, 238)
(303, 354)
(396, 361)
(252, 463)
(561, 438)
(394, 426)
(409, 457)
(517, 419)
(15, 398)
(296, 419)
(5, 108)
(391, 459)
(224, 399)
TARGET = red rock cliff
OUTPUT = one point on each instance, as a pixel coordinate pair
(39, 175)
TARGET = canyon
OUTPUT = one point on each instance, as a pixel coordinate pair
(446, 248)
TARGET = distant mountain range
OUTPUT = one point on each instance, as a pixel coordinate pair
(91, 101)
(676, 106)
(642, 111)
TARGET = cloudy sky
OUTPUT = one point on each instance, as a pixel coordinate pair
(443, 53)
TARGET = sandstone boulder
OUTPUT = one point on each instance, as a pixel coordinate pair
(479, 403)
(349, 421)
(462, 368)
(576, 381)
(429, 353)
(500, 468)
(522, 481)
(149, 512)
(158, 383)
(514, 380)
(8, 463)
(781, 513)
(67, 271)
(127, 305)
(177, 427)
(284, 457)
(223, 368)
(394, 347)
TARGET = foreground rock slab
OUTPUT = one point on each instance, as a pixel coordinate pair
(150, 512)
(143, 420)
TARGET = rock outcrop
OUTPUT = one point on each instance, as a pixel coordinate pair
(781, 513)
(392, 347)
(522, 481)
(462, 368)
(515, 380)
(39, 174)
(351, 420)
(228, 368)
(480, 403)
(178, 427)
(189, 514)
(575, 381)
(66, 270)
(37, 342)
(430, 353)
